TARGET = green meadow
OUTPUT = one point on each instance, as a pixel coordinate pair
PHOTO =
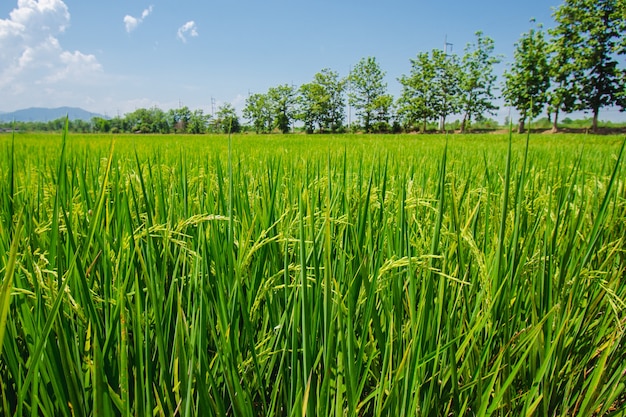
(319, 275)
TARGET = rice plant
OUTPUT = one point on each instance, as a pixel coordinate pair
(340, 275)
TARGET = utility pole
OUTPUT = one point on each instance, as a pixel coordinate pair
(446, 44)
(445, 53)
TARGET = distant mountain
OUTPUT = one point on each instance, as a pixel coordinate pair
(41, 114)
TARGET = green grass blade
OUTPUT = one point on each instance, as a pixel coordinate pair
(7, 281)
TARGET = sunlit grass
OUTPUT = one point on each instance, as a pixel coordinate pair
(334, 275)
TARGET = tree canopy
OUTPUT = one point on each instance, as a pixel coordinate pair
(321, 102)
(477, 79)
(589, 36)
(528, 79)
(368, 94)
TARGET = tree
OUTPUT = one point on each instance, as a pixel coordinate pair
(446, 85)
(383, 112)
(561, 95)
(321, 102)
(101, 124)
(198, 122)
(600, 28)
(528, 80)
(226, 119)
(179, 119)
(136, 119)
(159, 121)
(310, 109)
(258, 111)
(367, 93)
(81, 126)
(416, 102)
(118, 124)
(282, 101)
(477, 79)
(152, 120)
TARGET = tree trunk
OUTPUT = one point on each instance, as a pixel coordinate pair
(463, 123)
(594, 125)
(555, 126)
(424, 123)
(520, 126)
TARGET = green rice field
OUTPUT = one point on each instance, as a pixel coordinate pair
(292, 275)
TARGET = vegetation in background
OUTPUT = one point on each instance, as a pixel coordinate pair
(259, 112)
(226, 120)
(321, 102)
(589, 37)
(283, 101)
(416, 103)
(560, 94)
(528, 80)
(478, 80)
(367, 93)
(274, 110)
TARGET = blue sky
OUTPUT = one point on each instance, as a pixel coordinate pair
(113, 57)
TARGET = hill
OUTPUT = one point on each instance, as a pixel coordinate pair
(42, 114)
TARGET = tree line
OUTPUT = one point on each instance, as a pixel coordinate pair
(438, 85)
(181, 120)
(151, 120)
(575, 66)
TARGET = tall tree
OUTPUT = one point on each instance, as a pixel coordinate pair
(477, 79)
(152, 120)
(100, 124)
(561, 95)
(179, 118)
(527, 82)
(282, 100)
(159, 121)
(416, 102)
(383, 113)
(198, 122)
(321, 102)
(259, 112)
(600, 28)
(226, 120)
(368, 93)
(446, 84)
(334, 88)
(309, 107)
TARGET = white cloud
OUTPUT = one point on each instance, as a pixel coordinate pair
(74, 64)
(42, 15)
(32, 60)
(131, 22)
(146, 12)
(188, 28)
